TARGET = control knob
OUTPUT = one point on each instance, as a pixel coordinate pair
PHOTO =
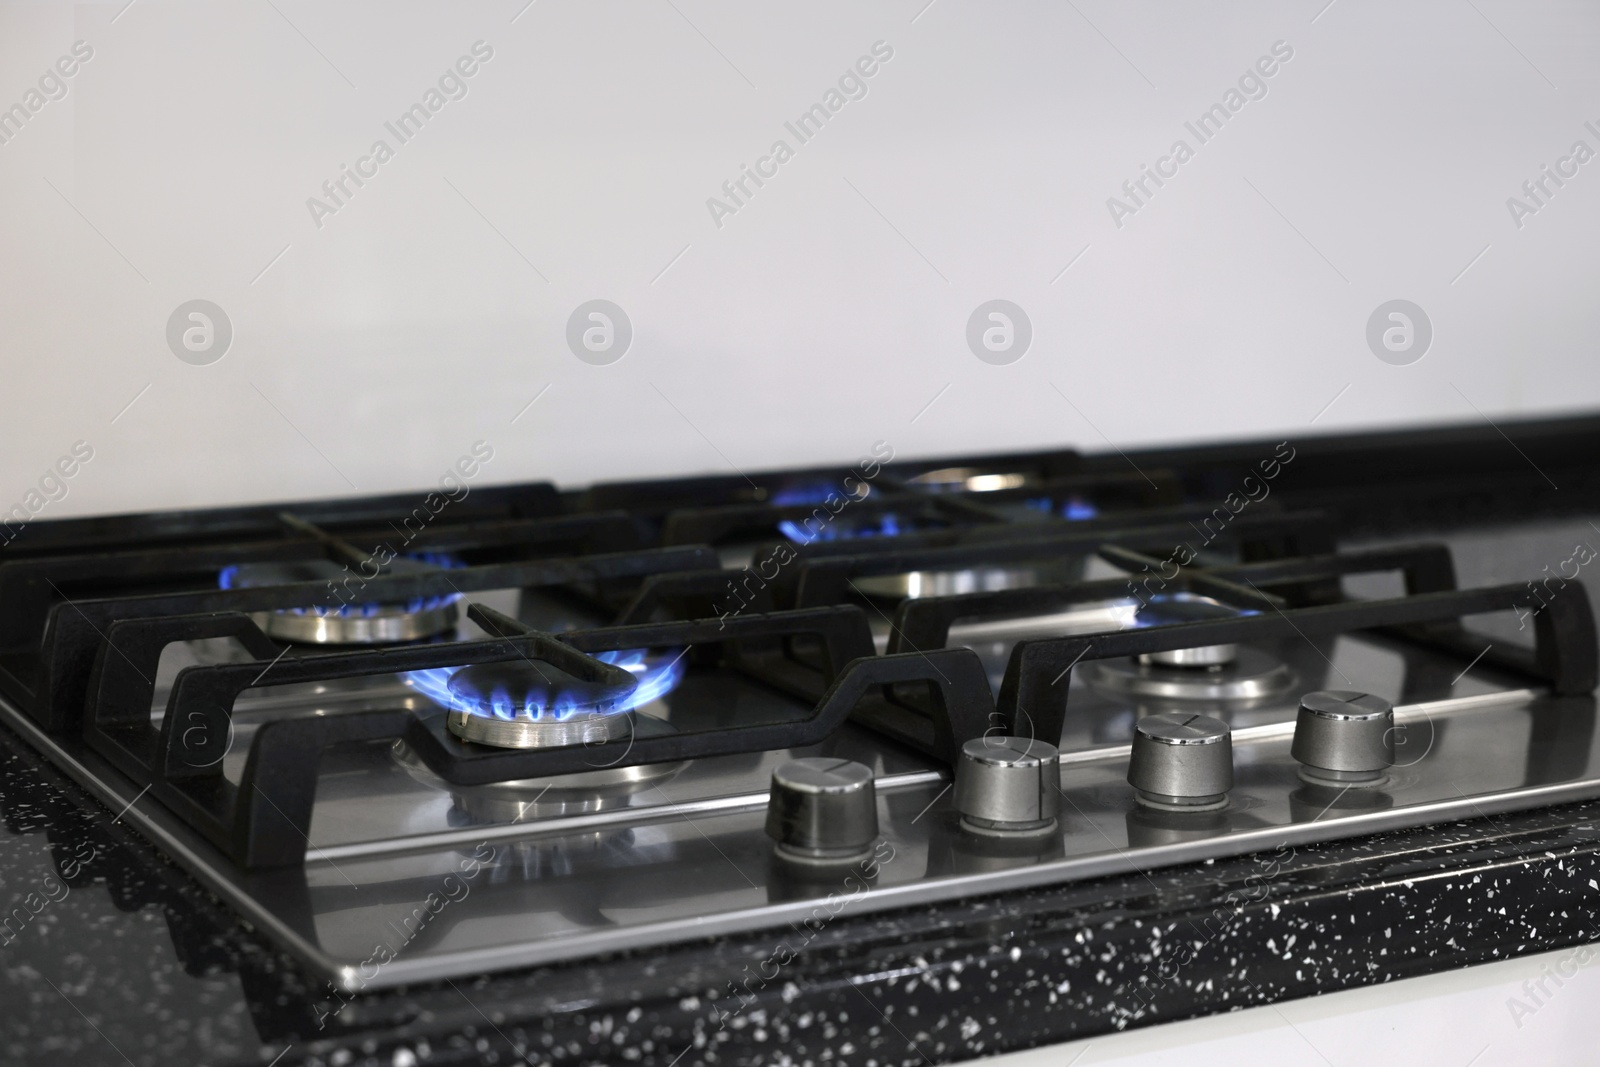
(1344, 739)
(1181, 761)
(1008, 786)
(823, 811)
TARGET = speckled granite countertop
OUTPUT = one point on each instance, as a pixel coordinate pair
(112, 955)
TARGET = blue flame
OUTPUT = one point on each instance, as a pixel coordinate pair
(803, 493)
(885, 525)
(228, 578)
(1170, 609)
(657, 675)
(1075, 508)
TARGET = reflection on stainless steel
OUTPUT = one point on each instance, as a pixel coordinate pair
(788, 882)
(523, 800)
(1149, 827)
(958, 852)
(1311, 802)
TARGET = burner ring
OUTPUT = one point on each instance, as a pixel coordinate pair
(526, 704)
(1200, 656)
(387, 625)
(538, 733)
(337, 623)
(1253, 675)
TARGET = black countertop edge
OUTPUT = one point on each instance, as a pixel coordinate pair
(136, 960)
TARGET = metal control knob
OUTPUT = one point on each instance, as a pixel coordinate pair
(1344, 738)
(823, 811)
(1008, 786)
(1181, 762)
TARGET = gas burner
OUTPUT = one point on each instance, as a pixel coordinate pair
(1251, 675)
(528, 704)
(884, 524)
(1175, 608)
(534, 705)
(915, 583)
(340, 623)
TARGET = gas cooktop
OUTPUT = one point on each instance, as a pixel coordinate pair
(412, 742)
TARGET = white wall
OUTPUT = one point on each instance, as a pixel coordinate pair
(830, 310)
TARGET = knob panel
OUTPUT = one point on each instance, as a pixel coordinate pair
(822, 810)
(1181, 762)
(1344, 738)
(1008, 786)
